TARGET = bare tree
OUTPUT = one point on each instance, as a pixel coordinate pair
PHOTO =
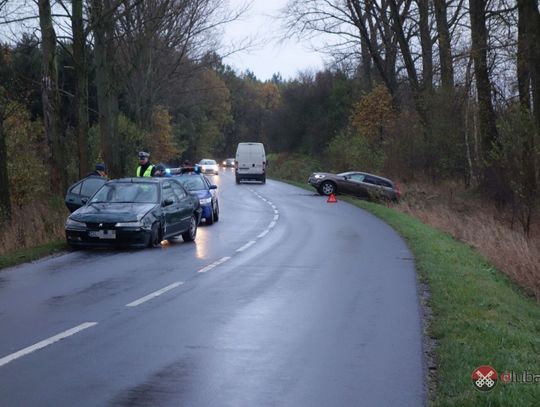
(161, 42)
(486, 115)
(5, 196)
(80, 98)
(51, 98)
(426, 43)
(102, 20)
(445, 50)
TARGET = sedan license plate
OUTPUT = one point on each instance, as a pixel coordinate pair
(102, 234)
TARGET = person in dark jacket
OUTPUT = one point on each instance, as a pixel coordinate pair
(145, 168)
(161, 171)
(100, 170)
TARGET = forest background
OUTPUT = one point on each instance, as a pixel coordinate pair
(442, 95)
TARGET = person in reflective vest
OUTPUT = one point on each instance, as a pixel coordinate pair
(145, 168)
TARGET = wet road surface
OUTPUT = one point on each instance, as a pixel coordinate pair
(286, 301)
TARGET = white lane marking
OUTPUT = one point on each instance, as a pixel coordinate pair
(272, 224)
(207, 268)
(263, 234)
(276, 211)
(154, 294)
(40, 345)
(244, 247)
(223, 260)
(214, 264)
(276, 217)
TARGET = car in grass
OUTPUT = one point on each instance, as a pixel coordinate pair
(136, 212)
(207, 193)
(83, 190)
(228, 163)
(208, 166)
(361, 184)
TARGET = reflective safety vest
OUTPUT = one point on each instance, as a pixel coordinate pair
(147, 173)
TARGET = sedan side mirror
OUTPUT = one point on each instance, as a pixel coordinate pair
(212, 187)
(84, 200)
(168, 202)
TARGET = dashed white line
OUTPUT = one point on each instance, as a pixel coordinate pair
(263, 234)
(244, 247)
(276, 217)
(214, 264)
(272, 224)
(207, 268)
(40, 345)
(222, 260)
(154, 294)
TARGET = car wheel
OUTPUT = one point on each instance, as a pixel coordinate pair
(264, 179)
(210, 219)
(237, 180)
(216, 213)
(189, 235)
(327, 188)
(155, 235)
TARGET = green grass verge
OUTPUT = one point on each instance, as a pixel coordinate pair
(33, 253)
(479, 316)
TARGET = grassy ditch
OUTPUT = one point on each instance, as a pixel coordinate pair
(19, 256)
(479, 316)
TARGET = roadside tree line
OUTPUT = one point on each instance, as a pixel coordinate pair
(447, 89)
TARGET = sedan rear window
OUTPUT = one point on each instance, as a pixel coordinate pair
(91, 185)
(192, 183)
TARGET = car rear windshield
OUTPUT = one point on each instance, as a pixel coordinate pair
(208, 162)
(192, 183)
(127, 193)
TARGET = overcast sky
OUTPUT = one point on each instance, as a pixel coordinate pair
(270, 56)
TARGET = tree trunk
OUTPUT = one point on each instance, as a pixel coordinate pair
(445, 50)
(5, 196)
(425, 41)
(51, 98)
(80, 101)
(486, 115)
(528, 60)
(369, 40)
(107, 96)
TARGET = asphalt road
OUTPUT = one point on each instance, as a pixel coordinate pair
(286, 301)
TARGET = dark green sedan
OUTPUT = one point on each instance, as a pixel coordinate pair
(136, 212)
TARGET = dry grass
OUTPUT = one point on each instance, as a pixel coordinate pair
(32, 225)
(481, 225)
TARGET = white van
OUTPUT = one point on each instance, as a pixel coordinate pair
(250, 162)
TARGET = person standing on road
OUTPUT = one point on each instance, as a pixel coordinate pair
(161, 171)
(100, 170)
(145, 168)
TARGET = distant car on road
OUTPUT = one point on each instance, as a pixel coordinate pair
(206, 191)
(83, 189)
(135, 212)
(250, 162)
(209, 166)
(361, 184)
(228, 163)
